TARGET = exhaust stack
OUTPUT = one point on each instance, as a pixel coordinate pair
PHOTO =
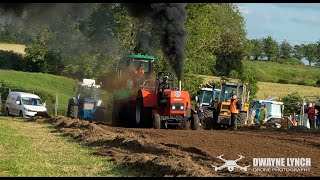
(179, 85)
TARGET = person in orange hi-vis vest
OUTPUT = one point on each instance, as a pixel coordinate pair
(140, 70)
(234, 110)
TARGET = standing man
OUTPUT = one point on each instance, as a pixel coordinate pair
(234, 110)
(263, 114)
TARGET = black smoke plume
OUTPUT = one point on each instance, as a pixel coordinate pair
(168, 22)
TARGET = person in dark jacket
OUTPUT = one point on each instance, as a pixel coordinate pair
(162, 86)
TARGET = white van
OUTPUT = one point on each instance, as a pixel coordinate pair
(24, 104)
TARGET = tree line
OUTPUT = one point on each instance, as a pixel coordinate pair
(269, 49)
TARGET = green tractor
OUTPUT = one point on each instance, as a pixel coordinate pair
(124, 84)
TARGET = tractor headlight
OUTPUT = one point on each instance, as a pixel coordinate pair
(25, 109)
(173, 107)
(181, 107)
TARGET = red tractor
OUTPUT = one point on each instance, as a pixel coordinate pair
(168, 109)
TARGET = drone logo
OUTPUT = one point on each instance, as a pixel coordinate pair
(230, 164)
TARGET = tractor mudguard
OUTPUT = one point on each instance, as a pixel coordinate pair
(150, 98)
(75, 101)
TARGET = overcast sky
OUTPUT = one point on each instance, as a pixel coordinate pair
(295, 22)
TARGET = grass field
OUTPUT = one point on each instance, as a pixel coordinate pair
(294, 74)
(18, 48)
(40, 81)
(29, 149)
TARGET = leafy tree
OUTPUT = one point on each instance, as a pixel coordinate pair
(285, 51)
(298, 52)
(271, 48)
(310, 52)
(257, 50)
(291, 102)
(247, 49)
(229, 54)
(205, 24)
(249, 77)
(37, 49)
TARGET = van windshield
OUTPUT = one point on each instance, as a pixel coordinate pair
(31, 101)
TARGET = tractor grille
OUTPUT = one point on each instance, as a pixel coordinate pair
(88, 106)
(225, 106)
(177, 107)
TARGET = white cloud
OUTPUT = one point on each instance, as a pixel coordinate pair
(299, 6)
(307, 19)
(244, 10)
(268, 17)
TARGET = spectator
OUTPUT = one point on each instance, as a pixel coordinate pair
(311, 114)
(263, 115)
(199, 111)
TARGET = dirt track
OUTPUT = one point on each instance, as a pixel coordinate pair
(191, 153)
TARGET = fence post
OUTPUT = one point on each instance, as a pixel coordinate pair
(56, 105)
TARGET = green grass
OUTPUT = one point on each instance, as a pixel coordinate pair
(48, 83)
(29, 149)
(293, 74)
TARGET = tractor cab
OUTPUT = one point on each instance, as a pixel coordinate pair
(141, 61)
(221, 111)
(85, 104)
(139, 67)
(208, 96)
(89, 89)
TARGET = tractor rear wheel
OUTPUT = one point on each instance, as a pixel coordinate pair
(139, 114)
(208, 119)
(73, 111)
(156, 121)
(100, 114)
(241, 118)
(195, 122)
(115, 115)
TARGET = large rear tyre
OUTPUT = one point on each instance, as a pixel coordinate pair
(115, 115)
(208, 119)
(73, 111)
(100, 115)
(139, 114)
(156, 121)
(195, 122)
(241, 118)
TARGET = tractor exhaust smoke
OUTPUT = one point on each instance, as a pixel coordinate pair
(168, 22)
(179, 82)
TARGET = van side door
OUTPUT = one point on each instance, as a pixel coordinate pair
(16, 107)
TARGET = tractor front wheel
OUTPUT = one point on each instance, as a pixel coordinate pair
(156, 121)
(195, 122)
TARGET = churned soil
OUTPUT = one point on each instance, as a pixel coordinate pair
(167, 152)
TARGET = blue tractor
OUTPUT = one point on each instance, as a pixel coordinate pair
(87, 104)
